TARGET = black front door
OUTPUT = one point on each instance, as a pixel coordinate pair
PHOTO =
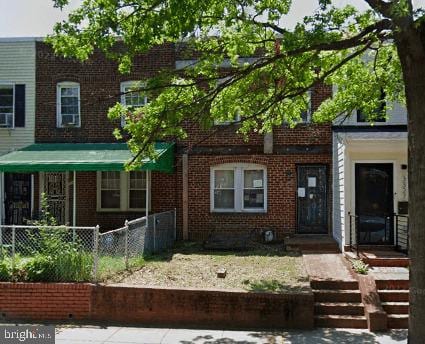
(374, 203)
(17, 202)
(312, 208)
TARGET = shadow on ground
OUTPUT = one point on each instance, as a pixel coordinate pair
(318, 336)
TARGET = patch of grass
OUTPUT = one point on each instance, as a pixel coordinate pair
(109, 266)
(188, 265)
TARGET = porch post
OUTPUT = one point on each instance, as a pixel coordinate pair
(148, 174)
(74, 200)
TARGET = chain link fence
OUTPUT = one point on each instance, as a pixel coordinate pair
(65, 254)
(125, 247)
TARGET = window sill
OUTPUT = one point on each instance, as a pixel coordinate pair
(121, 210)
(243, 212)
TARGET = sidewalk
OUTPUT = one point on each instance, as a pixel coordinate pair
(139, 335)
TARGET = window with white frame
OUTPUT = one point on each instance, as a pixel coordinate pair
(121, 191)
(137, 190)
(110, 190)
(239, 188)
(131, 97)
(7, 105)
(306, 114)
(68, 104)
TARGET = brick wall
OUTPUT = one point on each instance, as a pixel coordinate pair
(155, 306)
(207, 308)
(163, 198)
(99, 82)
(281, 194)
(45, 301)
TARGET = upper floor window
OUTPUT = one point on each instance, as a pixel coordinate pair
(7, 105)
(378, 115)
(68, 104)
(12, 105)
(239, 188)
(131, 97)
(236, 117)
(306, 114)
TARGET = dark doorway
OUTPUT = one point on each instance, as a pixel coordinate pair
(312, 208)
(374, 203)
(17, 202)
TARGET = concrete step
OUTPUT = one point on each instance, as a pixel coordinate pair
(393, 284)
(394, 295)
(387, 262)
(340, 321)
(334, 285)
(396, 307)
(339, 308)
(325, 295)
(398, 321)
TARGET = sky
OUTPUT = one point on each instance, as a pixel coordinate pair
(35, 18)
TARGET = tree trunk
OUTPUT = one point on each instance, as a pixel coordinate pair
(411, 49)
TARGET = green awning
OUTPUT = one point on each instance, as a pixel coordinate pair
(61, 157)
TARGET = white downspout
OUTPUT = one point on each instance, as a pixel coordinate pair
(74, 200)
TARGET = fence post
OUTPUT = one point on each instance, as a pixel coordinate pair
(154, 233)
(126, 244)
(1, 239)
(95, 252)
(13, 250)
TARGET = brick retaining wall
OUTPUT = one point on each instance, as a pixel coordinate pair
(45, 301)
(155, 306)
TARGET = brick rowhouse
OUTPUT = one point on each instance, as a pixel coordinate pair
(100, 87)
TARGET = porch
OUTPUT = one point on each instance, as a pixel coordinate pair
(85, 184)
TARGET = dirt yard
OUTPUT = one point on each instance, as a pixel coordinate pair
(265, 268)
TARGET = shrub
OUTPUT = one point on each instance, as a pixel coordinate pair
(54, 258)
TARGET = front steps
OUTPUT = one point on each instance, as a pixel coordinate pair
(384, 258)
(311, 243)
(338, 304)
(394, 295)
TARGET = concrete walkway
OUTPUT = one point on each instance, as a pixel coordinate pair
(326, 266)
(139, 335)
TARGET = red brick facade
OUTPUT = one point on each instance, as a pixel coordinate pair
(153, 306)
(45, 301)
(100, 85)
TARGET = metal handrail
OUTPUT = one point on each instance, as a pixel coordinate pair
(402, 232)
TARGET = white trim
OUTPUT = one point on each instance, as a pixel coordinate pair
(2, 191)
(32, 194)
(124, 193)
(74, 199)
(309, 109)
(59, 86)
(238, 169)
(13, 85)
(21, 39)
(130, 83)
(353, 183)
